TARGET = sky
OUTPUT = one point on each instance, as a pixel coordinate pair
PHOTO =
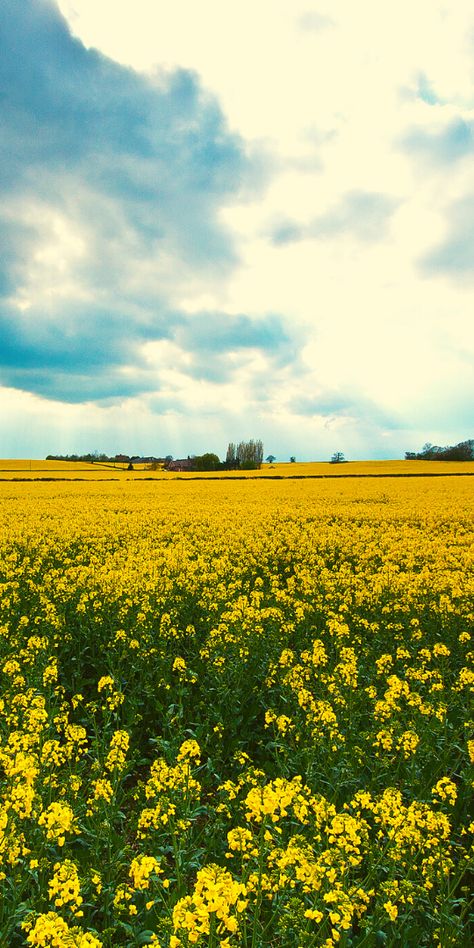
(233, 220)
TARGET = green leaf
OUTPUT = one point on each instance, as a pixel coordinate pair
(144, 938)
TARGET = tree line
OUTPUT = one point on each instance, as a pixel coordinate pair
(464, 451)
(244, 456)
(247, 455)
(90, 458)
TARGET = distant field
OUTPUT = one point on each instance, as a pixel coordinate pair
(12, 469)
(25, 468)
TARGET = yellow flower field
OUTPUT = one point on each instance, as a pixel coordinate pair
(35, 469)
(237, 712)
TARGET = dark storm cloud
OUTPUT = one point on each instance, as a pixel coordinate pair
(84, 358)
(138, 168)
(157, 146)
(214, 333)
(76, 359)
(215, 340)
(17, 243)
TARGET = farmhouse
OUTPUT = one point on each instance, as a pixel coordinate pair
(183, 464)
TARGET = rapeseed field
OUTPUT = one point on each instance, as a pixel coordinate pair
(237, 713)
(107, 470)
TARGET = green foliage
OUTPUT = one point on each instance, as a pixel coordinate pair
(464, 451)
(250, 454)
(206, 462)
(247, 455)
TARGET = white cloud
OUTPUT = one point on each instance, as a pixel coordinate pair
(339, 98)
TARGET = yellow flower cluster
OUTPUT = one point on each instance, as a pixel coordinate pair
(64, 887)
(213, 907)
(141, 870)
(51, 931)
(119, 745)
(171, 790)
(58, 820)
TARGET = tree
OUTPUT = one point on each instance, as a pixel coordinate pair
(271, 458)
(337, 458)
(231, 456)
(464, 451)
(293, 459)
(206, 462)
(249, 454)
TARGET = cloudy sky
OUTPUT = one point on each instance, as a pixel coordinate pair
(229, 219)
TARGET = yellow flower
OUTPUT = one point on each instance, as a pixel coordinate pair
(105, 682)
(141, 869)
(391, 910)
(58, 820)
(51, 931)
(96, 881)
(64, 886)
(119, 745)
(446, 790)
(101, 791)
(189, 750)
(216, 894)
(314, 915)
